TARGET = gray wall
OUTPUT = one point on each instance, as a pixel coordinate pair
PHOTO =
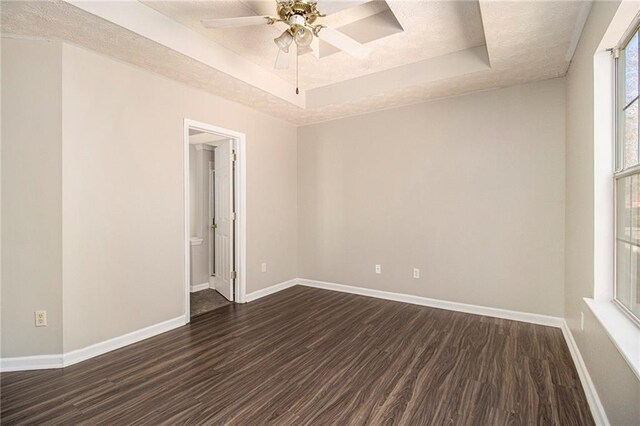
(123, 211)
(617, 385)
(31, 196)
(468, 189)
(94, 221)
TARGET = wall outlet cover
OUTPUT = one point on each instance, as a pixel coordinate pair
(41, 318)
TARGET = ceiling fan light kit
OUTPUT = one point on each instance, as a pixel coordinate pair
(303, 37)
(301, 17)
(284, 41)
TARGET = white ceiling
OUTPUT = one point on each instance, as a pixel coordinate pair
(441, 48)
(430, 29)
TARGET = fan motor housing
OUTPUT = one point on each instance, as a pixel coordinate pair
(305, 9)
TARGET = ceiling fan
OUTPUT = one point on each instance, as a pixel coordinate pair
(300, 16)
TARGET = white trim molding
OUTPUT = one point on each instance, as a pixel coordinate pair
(83, 354)
(199, 287)
(255, 295)
(621, 329)
(240, 177)
(597, 410)
(35, 362)
(436, 303)
(42, 362)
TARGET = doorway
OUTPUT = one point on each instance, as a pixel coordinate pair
(214, 208)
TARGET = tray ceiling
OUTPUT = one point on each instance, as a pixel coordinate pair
(421, 49)
(428, 29)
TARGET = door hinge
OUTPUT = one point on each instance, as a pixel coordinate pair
(233, 215)
(615, 52)
(233, 156)
(234, 275)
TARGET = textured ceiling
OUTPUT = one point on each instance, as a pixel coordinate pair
(430, 29)
(525, 41)
(62, 21)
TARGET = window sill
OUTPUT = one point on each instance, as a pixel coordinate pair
(622, 331)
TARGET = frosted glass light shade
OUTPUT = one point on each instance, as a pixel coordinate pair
(284, 41)
(303, 37)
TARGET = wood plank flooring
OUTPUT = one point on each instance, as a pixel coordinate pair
(206, 300)
(309, 356)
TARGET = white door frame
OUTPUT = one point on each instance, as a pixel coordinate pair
(211, 217)
(240, 176)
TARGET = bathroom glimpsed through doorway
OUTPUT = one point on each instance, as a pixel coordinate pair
(210, 221)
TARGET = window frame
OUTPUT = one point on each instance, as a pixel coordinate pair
(619, 172)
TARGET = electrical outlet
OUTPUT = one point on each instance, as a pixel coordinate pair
(416, 273)
(264, 267)
(378, 269)
(41, 318)
(581, 321)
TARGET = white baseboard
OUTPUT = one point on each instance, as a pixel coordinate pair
(597, 410)
(83, 354)
(199, 287)
(436, 303)
(270, 290)
(36, 362)
(41, 362)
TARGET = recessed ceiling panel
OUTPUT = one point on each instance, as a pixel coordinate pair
(380, 24)
(432, 49)
(403, 33)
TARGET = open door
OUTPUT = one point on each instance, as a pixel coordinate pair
(223, 228)
(212, 223)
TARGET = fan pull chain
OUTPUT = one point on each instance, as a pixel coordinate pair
(297, 91)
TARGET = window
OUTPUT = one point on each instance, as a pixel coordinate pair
(627, 179)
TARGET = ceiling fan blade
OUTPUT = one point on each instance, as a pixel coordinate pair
(283, 59)
(304, 50)
(243, 21)
(344, 42)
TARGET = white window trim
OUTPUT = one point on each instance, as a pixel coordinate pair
(621, 329)
(619, 171)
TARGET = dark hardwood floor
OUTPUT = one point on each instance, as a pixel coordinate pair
(204, 301)
(309, 356)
